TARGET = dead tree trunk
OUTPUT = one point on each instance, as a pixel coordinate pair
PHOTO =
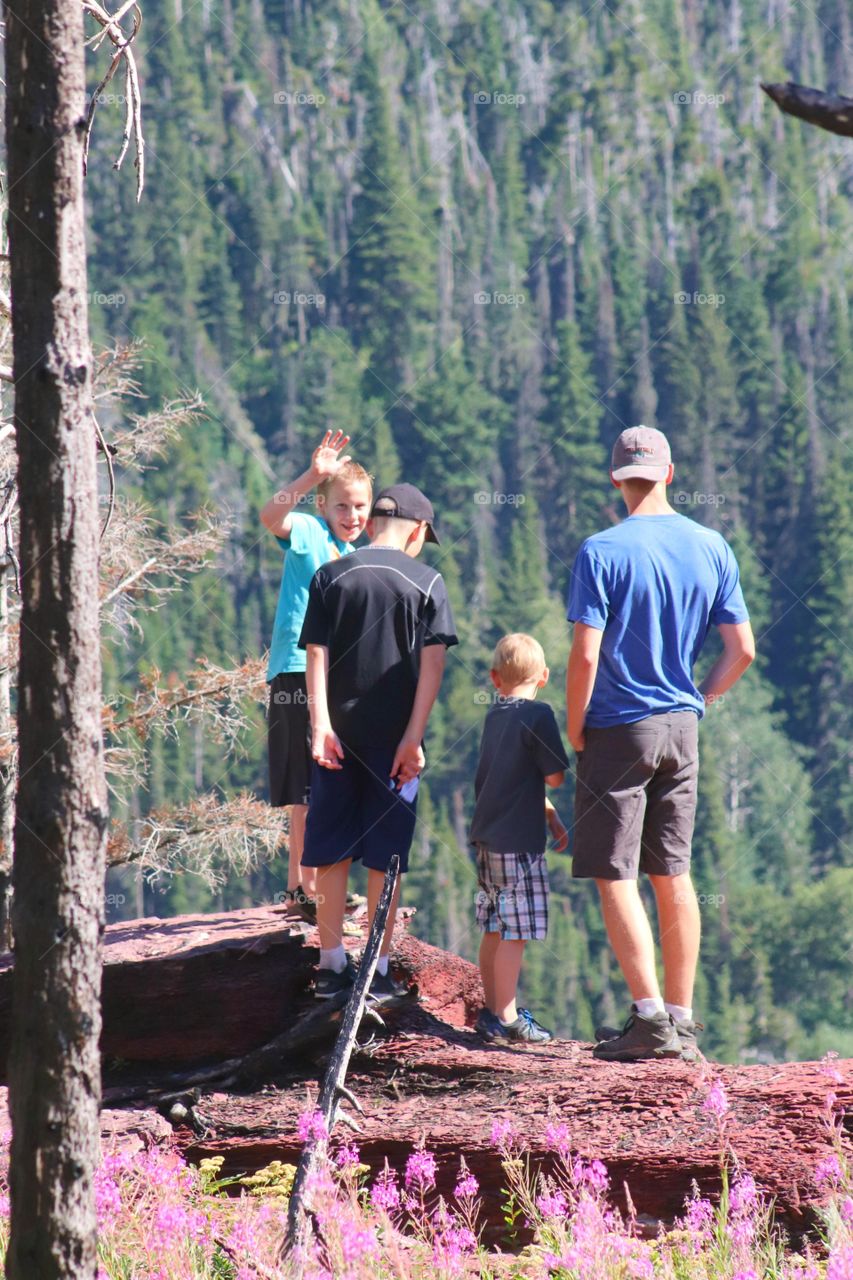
(826, 110)
(54, 1068)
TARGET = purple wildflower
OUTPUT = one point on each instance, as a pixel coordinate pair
(840, 1265)
(557, 1138)
(552, 1204)
(357, 1241)
(420, 1170)
(466, 1186)
(502, 1133)
(829, 1170)
(347, 1156)
(385, 1193)
(312, 1126)
(716, 1102)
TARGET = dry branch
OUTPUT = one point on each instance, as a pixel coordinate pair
(123, 52)
(826, 110)
(210, 838)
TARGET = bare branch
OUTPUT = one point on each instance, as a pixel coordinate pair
(826, 110)
(208, 837)
(133, 118)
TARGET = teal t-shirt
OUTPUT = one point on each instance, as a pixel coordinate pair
(311, 543)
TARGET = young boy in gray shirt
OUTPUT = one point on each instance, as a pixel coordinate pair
(520, 752)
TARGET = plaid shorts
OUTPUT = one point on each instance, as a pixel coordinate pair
(512, 897)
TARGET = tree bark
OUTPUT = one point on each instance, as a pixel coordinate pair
(60, 828)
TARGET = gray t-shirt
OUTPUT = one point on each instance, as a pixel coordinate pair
(520, 747)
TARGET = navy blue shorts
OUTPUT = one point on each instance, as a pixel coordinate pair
(355, 812)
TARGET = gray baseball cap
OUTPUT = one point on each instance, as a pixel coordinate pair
(642, 452)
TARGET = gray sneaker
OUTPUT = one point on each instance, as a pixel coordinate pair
(654, 1037)
(690, 1051)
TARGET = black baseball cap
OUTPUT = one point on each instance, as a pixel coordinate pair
(406, 502)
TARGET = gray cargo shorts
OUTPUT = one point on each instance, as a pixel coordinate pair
(635, 798)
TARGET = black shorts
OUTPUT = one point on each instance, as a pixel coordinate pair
(289, 740)
(635, 798)
(356, 813)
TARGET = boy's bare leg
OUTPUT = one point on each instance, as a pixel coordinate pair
(296, 873)
(509, 954)
(680, 931)
(331, 903)
(488, 950)
(630, 936)
(375, 881)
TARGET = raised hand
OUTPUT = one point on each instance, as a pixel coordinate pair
(326, 459)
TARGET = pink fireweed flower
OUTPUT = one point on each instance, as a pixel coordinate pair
(420, 1170)
(557, 1138)
(385, 1193)
(347, 1156)
(699, 1216)
(845, 1209)
(451, 1243)
(746, 1275)
(829, 1170)
(107, 1199)
(828, 1067)
(592, 1174)
(312, 1126)
(840, 1265)
(743, 1195)
(502, 1133)
(466, 1186)
(358, 1242)
(552, 1204)
(716, 1102)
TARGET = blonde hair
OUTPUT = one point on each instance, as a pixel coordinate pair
(517, 658)
(350, 473)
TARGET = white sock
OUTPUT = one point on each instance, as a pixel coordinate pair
(382, 966)
(335, 959)
(679, 1012)
(649, 1007)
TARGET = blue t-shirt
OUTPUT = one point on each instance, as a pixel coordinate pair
(654, 585)
(311, 543)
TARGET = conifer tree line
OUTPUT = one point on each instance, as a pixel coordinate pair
(482, 239)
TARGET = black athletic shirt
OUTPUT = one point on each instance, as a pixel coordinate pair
(520, 747)
(375, 610)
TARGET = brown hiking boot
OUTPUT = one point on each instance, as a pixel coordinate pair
(640, 1038)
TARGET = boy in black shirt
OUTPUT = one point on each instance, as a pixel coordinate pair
(521, 750)
(377, 629)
